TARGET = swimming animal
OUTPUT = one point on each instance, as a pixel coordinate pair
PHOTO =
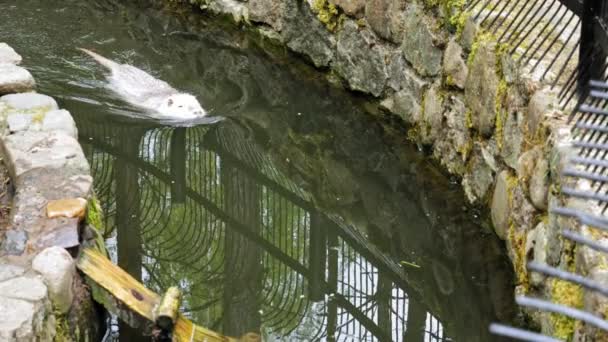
(143, 90)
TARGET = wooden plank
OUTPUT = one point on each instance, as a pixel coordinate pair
(138, 299)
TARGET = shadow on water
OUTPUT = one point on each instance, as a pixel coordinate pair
(298, 216)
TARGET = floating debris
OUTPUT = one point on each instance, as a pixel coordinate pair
(407, 263)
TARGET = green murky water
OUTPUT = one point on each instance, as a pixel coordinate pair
(297, 216)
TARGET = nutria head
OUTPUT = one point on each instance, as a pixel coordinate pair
(181, 106)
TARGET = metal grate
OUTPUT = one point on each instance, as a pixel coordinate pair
(564, 43)
(589, 168)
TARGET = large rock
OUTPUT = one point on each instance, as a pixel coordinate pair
(403, 77)
(26, 151)
(458, 132)
(376, 13)
(454, 66)
(536, 249)
(386, 18)
(405, 105)
(13, 242)
(55, 120)
(25, 311)
(433, 115)
(30, 102)
(361, 60)
(350, 7)
(8, 271)
(418, 43)
(539, 106)
(57, 268)
(8, 55)
(306, 35)
(481, 88)
(512, 128)
(478, 181)
(452, 147)
(501, 205)
(469, 32)
(539, 184)
(15, 79)
(268, 12)
(27, 288)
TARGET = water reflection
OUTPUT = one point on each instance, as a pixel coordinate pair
(204, 208)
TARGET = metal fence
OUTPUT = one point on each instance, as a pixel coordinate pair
(566, 43)
(562, 42)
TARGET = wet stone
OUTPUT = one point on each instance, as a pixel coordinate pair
(14, 242)
(500, 205)
(8, 55)
(56, 266)
(30, 102)
(8, 271)
(19, 122)
(22, 320)
(52, 185)
(30, 150)
(26, 288)
(477, 182)
(454, 66)
(14, 314)
(61, 232)
(14, 79)
(481, 89)
(350, 7)
(360, 60)
(418, 46)
(305, 34)
(60, 120)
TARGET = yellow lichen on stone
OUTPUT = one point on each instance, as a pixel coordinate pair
(468, 118)
(501, 95)
(327, 13)
(569, 294)
(518, 246)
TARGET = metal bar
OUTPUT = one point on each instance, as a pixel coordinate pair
(584, 218)
(562, 309)
(533, 27)
(520, 334)
(570, 235)
(567, 276)
(499, 14)
(525, 20)
(561, 49)
(575, 6)
(585, 175)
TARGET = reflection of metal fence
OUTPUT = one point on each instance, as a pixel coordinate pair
(245, 243)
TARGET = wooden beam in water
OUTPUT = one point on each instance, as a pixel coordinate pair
(134, 303)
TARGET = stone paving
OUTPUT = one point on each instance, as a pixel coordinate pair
(39, 146)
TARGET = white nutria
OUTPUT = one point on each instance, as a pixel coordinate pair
(143, 90)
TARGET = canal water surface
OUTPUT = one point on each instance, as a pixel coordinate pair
(298, 216)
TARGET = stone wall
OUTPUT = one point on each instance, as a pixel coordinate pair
(461, 96)
(42, 298)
